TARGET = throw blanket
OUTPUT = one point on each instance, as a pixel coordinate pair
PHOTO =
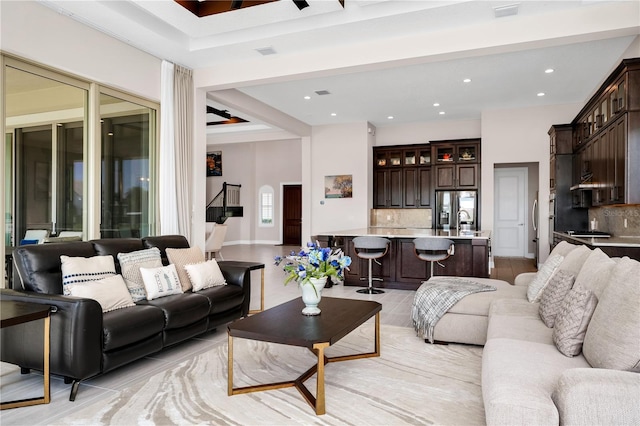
(436, 296)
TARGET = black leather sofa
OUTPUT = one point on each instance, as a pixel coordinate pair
(84, 341)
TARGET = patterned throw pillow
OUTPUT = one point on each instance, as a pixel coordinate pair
(204, 275)
(553, 295)
(130, 264)
(534, 292)
(573, 319)
(185, 256)
(111, 293)
(77, 270)
(160, 282)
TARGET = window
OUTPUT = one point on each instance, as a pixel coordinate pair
(45, 123)
(61, 174)
(266, 206)
(126, 173)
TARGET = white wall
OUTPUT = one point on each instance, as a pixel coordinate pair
(238, 168)
(340, 150)
(417, 133)
(520, 136)
(39, 34)
(253, 165)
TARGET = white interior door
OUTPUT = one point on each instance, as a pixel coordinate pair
(510, 212)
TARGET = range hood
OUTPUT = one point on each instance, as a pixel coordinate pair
(587, 186)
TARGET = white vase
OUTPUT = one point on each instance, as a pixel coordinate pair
(311, 295)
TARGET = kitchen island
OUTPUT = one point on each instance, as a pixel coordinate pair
(614, 246)
(400, 268)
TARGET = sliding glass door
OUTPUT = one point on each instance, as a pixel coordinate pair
(61, 174)
(126, 167)
(47, 121)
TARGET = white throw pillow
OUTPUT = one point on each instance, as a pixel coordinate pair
(111, 293)
(204, 275)
(78, 270)
(160, 282)
(534, 292)
(182, 257)
(130, 264)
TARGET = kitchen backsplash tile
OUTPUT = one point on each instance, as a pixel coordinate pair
(401, 218)
(611, 219)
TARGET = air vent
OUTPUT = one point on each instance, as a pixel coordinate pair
(266, 51)
(322, 92)
(508, 10)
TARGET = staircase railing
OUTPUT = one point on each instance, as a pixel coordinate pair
(226, 204)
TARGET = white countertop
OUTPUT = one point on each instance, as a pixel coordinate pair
(614, 241)
(408, 233)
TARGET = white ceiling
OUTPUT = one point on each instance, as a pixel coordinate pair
(387, 72)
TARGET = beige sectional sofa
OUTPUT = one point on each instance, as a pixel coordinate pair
(526, 379)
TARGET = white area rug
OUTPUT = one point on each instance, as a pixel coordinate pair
(411, 383)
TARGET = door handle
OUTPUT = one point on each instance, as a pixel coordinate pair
(521, 224)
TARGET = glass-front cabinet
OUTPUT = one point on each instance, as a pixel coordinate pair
(456, 153)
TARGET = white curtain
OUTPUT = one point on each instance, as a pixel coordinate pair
(167, 179)
(176, 141)
(183, 113)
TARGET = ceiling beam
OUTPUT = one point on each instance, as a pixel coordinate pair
(212, 7)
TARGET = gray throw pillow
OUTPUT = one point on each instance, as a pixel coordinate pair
(573, 319)
(553, 295)
(613, 336)
(130, 264)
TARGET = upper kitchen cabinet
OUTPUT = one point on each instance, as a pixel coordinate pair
(560, 146)
(606, 139)
(456, 163)
(402, 177)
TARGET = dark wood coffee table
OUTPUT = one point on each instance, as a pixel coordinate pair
(285, 324)
(15, 313)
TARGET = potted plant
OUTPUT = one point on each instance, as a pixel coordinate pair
(310, 268)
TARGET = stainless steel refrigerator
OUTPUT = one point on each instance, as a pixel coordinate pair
(457, 210)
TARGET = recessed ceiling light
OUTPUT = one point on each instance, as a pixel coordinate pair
(441, 113)
(549, 70)
(307, 97)
(466, 80)
(436, 104)
(264, 51)
(390, 117)
(333, 114)
(507, 10)
(541, 94)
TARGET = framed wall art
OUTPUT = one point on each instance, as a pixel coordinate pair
(214, 163)
(340, 186)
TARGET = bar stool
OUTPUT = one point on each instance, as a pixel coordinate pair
(433, 250)
(371, 248)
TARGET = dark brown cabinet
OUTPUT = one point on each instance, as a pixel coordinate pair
(606, 139)
(388, 188)
(400, 267)
(456, 164)
(407, 176)
(402, 177)
(417, 187)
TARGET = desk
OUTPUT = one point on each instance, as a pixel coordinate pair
(15, 313)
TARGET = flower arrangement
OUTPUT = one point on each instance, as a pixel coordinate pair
(314, 262)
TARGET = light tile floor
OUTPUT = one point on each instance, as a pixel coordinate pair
(396, 310)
